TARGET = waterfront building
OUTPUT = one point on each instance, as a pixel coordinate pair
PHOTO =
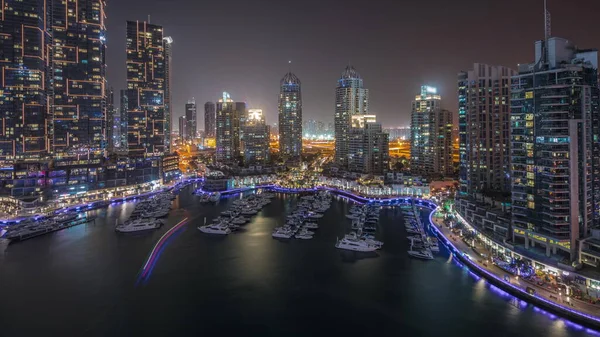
(431, 138)
(168, 41)
(290, 117)
(210, 126)
(351, 98)
(170, 168)
(555, 149)
(182, 129)
(483, 118)
(255, 138)
(228, 118)
(191, 119)
(145, 89)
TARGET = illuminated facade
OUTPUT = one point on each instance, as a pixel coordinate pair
(290, 116)
(168, 41)
(25, 49)
(146, 73)
(351, 98)
(431, 138)
(555, 148)
(78, 114)
(210, 126)
(368, 147)
(229, 115)
(255, 139)
(123, 106)
(191, 119)
(484, 125)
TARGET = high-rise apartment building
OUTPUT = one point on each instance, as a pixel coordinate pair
(182, 129)
(25, 101)
(290, 116)
(191, 118)
(555, 147)
(431, 138)
(484, 127)
(351, 98)
(210, 126)
(145, 89)
(229, 116)
(78, 111)
(368, 146)
(168, 41)
(255, 139)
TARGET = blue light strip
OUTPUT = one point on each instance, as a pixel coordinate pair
(522, 292)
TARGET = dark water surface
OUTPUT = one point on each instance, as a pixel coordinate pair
(83, 281)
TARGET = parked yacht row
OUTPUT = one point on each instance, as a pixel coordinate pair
(33, 227)
(421, 246)
(147, 213)
(364, 219)
(238, 214)
(301, 224)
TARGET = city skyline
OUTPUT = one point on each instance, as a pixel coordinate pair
(317, 59)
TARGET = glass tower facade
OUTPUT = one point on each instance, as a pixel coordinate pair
(351, 98)
(145, 89)
(229, 117)
(290, 116)
(555, 148)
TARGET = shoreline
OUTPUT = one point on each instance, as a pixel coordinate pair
(577, 316)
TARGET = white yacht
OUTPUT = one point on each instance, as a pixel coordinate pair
(214, 197)
(283, 233)
(355, 245)
(311, 225)
(421, 254)
(239, 220)
(433, 244)
(221, 229)
(303, 236)
(137, 225)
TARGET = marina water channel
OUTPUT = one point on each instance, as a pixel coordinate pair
(85, 281)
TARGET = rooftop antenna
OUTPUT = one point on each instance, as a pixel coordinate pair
(290, 66)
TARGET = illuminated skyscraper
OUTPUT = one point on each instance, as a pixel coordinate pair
(483, 118)
(79, 79)
(290, 117)
(113, 120)
(210, 126)
(229, 116)
(431, 138)
(368, 146)
(25, 68)
(555, 151)
(351, 98)
(145, 89)
(123, 106)
(255, 139)
(191, 118)
(168, 41)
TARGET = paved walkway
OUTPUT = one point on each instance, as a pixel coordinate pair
(548, 294)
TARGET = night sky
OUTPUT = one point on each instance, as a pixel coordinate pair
(243, 46)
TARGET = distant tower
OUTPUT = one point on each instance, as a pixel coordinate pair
(210, 120)
(229, 116)
(191, 118)
(255, 138)
(290, 116)
(431, 139)
(351, 98)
